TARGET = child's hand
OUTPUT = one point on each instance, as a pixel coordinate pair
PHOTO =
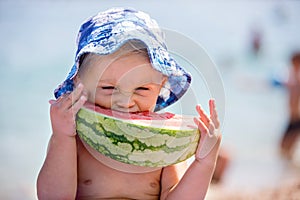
(63, 111)
(210, 132)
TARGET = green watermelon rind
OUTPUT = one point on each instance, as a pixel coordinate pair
(145, 145)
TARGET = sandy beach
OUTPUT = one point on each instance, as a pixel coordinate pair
(285, 188)
(288, 190)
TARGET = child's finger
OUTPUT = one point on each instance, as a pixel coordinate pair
(211, 128)
(208, 139)
(213, 113)
(73, 97)
(78, 104)
(77, 93)
(203, 115)
(201, 126)
(52, 101)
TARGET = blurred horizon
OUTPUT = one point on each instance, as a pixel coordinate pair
(38, 48)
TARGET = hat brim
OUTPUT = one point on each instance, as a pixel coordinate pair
(107, 38)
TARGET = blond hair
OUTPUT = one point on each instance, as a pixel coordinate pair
(130, 47)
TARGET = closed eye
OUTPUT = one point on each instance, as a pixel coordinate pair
(142, 88)
(142, 91)
(108, 87)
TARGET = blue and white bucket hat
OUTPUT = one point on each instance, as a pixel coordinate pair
(107, 31)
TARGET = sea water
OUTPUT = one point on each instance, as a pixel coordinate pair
(37, 50)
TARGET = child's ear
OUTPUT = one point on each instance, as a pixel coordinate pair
(76, 80)
(165, 79)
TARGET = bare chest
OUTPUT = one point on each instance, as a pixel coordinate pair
(96, 180)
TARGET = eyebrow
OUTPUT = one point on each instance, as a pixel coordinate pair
(107, 80)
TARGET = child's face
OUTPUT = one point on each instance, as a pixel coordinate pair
(127, 83)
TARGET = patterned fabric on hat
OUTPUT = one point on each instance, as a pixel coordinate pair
(107, 31)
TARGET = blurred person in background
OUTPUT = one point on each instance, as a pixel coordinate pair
(223, 160)
(291, 134)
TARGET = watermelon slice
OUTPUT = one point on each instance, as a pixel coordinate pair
(144, 139)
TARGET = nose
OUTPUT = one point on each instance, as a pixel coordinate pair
(123, 102)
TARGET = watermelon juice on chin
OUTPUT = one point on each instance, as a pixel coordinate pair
(143, 139)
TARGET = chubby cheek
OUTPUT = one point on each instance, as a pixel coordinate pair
(104, 101)
(147, 104)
